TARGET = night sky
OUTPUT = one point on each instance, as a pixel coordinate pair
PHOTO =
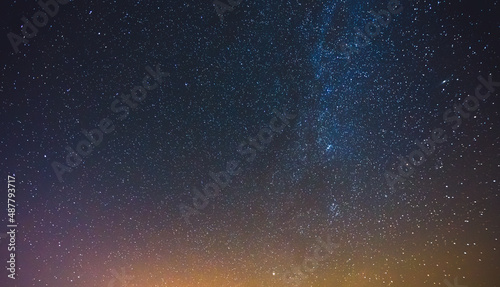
(251, 143)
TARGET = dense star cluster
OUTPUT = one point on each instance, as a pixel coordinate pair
(251, 143)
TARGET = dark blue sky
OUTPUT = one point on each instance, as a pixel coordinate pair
(323, 175)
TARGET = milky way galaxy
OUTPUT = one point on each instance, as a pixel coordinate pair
(250, 143)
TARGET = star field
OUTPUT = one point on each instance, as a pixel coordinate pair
(237, 148)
